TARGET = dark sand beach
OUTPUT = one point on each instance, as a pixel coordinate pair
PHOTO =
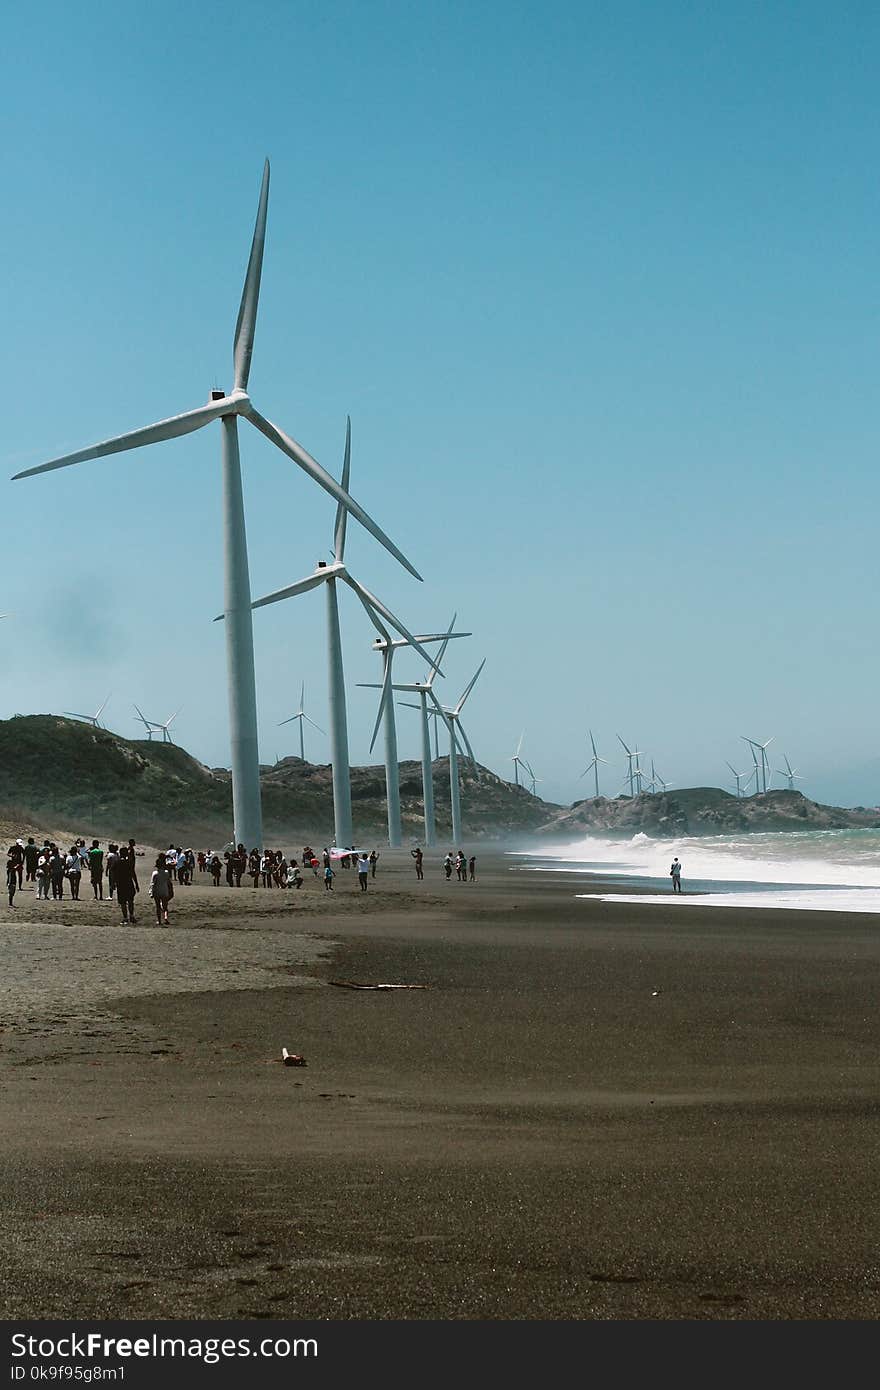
(595, 1111)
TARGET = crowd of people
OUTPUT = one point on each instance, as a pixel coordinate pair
(49, 867)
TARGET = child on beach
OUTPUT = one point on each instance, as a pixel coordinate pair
(328, 878)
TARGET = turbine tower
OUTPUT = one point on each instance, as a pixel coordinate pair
(328, 575)
(301, 715)
(452, 718)
(791, 774)
(593, 764)
(247, 814)
(756, 747)
(385, 716)
(89, 718)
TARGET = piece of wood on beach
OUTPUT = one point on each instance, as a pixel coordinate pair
(352, 984)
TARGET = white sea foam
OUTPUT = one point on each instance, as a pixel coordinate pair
(834, 870)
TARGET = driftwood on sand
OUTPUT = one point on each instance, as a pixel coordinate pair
(352, 984)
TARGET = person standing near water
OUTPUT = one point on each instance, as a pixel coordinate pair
(418, 857)
(675, 871)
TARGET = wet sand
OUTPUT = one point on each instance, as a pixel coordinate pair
(595, 1111)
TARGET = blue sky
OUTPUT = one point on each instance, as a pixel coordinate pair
(598, 287)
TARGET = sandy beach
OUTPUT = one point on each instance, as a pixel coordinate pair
(595, 1111)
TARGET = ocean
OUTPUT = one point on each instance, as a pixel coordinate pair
(826, 870)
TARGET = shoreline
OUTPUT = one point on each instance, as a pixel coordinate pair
(595, 1111)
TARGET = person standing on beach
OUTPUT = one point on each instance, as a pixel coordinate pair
(328, 878)
(112, 861)
(418, 857)
(472, 867)
(374, 859)
(126, 885)
(161, 889)
(363, 867)
(56, 873)
(96, 870)
(42, 872)
(17, 852)
(31, 855)
(447, 865)
(73, 869)
(675, 871)
(11, 877)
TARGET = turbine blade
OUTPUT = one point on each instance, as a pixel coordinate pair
(386, 700)
(519, 745)
(250, 295)
(364, 594)
(171, 428)
(436, 663)
(323, 479)
(313, 724)
(593, 742)
(470, 685)
(103, 707)
(341, 513)
(623, 746)
(289, 721)
(289, 592)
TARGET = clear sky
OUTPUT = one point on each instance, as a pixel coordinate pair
(598, 285)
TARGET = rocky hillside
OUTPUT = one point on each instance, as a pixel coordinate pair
(61, 771)
(702, 811)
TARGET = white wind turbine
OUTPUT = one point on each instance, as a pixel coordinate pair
(153, 727)
(532, 778)
(742, 779)
(302, 716)
(518, 762)
(89, 718)
(237, 593)
(328, 575)
(385, 716)
(634, 775)
(452, 718)
(657, 779)
(791, 774)
(756, 747)
(593, 764)
(424, 689)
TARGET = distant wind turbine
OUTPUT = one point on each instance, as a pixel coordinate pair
(634, 776)
(385, 716)
(89, 718)
(742, 779)
(593, 764)
(153, 727)
(791, 774)
(242, 695)
(302, 716)
(757, 748)
(518, 762)
(456, 732)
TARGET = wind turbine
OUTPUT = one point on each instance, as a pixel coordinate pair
(534, 780)
(518, 762)
(328, 575)
(153, 727)
(634, 775)
(301, 716)
(385, 716)
(452, 718)
(237, 593)
(655, 778)
(593, 765)
(740, 785)
(88, 718)
(423, 689)
(790, 773)
(762, 749)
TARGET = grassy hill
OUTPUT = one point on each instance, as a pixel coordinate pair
(55, 770)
